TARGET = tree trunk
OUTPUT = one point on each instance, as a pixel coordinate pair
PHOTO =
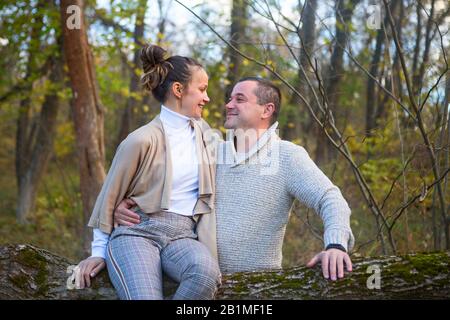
(442, 157)
(128, 121)
(27, 272)
(418, 77)
(25, 133)
(375, 110)
(42, 147)
(237, 36)
(87, 111)
(417, 42)
(307, 36)
(343, 12)
(371, 87)
(161, 23)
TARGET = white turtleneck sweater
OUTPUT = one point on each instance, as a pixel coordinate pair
(183, 151)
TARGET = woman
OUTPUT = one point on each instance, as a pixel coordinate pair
(165, 168)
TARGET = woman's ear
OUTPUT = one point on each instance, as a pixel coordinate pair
(177, 89)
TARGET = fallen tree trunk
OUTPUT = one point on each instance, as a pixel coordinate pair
(27, 272)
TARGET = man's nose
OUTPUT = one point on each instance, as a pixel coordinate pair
(206, 98)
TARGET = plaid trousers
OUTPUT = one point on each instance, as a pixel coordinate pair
(165, 242)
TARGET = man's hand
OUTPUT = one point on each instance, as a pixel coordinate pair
(123, 216)
(332, 261)
(88, 269)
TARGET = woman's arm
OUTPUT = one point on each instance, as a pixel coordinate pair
(99, 244)
(119, 180)
(90, 267)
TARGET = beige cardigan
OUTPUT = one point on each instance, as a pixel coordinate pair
(142, 170)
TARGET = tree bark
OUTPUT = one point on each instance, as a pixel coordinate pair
(87, 112)
(27, 272)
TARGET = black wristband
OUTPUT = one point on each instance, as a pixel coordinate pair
(335, 246)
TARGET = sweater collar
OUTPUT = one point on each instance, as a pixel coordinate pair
(260, 143)
(173, 119)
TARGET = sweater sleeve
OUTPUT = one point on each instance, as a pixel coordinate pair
(307, 183)
(117, 183)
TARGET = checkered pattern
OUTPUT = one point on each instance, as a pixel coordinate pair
(163, 242)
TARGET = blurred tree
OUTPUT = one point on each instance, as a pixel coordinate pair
(371, 104)
(307, 36)
(128, 122)
(239, 16)
(333, 76)
(87, 109)
(35, 135)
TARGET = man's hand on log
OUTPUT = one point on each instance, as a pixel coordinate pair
(332, 261)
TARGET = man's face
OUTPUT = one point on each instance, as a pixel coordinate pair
(243, 111)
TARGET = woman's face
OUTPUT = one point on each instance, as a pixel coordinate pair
(195, 97)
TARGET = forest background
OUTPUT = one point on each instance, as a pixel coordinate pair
(365, 84)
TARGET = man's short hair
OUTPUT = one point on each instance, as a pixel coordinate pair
(266, 92)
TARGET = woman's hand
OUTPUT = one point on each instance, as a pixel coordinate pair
(88, 269)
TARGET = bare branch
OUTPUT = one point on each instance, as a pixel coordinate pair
(353, 59)
(420, 195)
(420, 124)
(396, 178)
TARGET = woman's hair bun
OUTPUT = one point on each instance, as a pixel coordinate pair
(155, 66)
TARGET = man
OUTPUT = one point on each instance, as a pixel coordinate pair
(257, 178)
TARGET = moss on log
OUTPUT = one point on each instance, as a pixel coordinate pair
(27, 272)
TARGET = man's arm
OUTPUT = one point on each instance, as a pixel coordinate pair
(312, 187)
(123, 216)
(332, 261)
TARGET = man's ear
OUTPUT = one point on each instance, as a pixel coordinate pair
(269, 109)
(177, 89)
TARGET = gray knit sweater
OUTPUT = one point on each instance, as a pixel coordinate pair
(254, 196)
